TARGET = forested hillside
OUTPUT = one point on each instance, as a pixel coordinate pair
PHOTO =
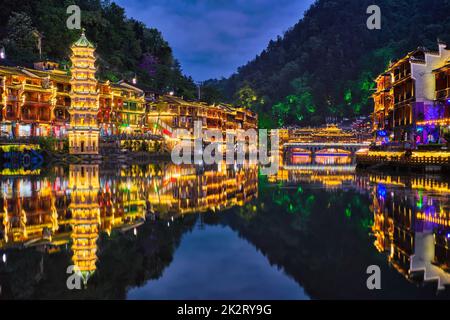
(325, 64)
(125, 47)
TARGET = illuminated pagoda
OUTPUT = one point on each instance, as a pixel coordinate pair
(84, 183)
(83, 130)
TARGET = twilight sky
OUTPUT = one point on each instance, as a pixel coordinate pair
(211, 38)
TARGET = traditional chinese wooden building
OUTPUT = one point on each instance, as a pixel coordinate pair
(48, 101)
(439, 117)
(169, 112)
(383, 106)
(411, 94)
(330, 134)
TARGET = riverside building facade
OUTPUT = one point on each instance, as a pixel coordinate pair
(412, 100)
(46, 101)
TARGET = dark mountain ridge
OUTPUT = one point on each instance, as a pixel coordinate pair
(125, 47)
(325, 65)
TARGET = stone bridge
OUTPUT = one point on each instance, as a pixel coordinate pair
(315, 147)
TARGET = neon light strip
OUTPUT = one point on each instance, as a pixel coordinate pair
(334, 168)
(445, 121)
(301, 154)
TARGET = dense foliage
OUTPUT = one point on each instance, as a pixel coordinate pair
(125, 47)
(325, 65)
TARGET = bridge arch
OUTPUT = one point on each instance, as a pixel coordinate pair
(333, 152)
(297, 151)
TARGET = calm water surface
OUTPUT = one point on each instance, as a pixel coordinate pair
(159, 231)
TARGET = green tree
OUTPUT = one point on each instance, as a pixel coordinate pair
(20, 43)
(121, 43)
(246, 97)
(281, 112)
(211, 94)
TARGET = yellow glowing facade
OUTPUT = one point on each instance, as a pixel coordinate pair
(328, 134)
(168, 113)
(47, 101)
(83, 131)
(331, 180)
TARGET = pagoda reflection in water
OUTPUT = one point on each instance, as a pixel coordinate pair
(72, 208)
(84, 184)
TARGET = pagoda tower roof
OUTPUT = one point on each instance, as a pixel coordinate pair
(83, 41)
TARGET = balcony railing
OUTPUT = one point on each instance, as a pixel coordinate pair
(404, 102)
(36, 102)
(401, 76)
(443, 94)
(29, 117)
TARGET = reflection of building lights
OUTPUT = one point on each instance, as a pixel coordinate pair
(444, 121)
(381, 191)
(122, 207)
(381, 133)
(419, 203)
(441, 219)
(362, 150)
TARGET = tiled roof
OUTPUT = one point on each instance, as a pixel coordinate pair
(83, 42)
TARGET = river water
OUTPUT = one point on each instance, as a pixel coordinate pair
(160, 231)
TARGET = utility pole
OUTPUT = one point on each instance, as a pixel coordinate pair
(38, 37)
(199, 90)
